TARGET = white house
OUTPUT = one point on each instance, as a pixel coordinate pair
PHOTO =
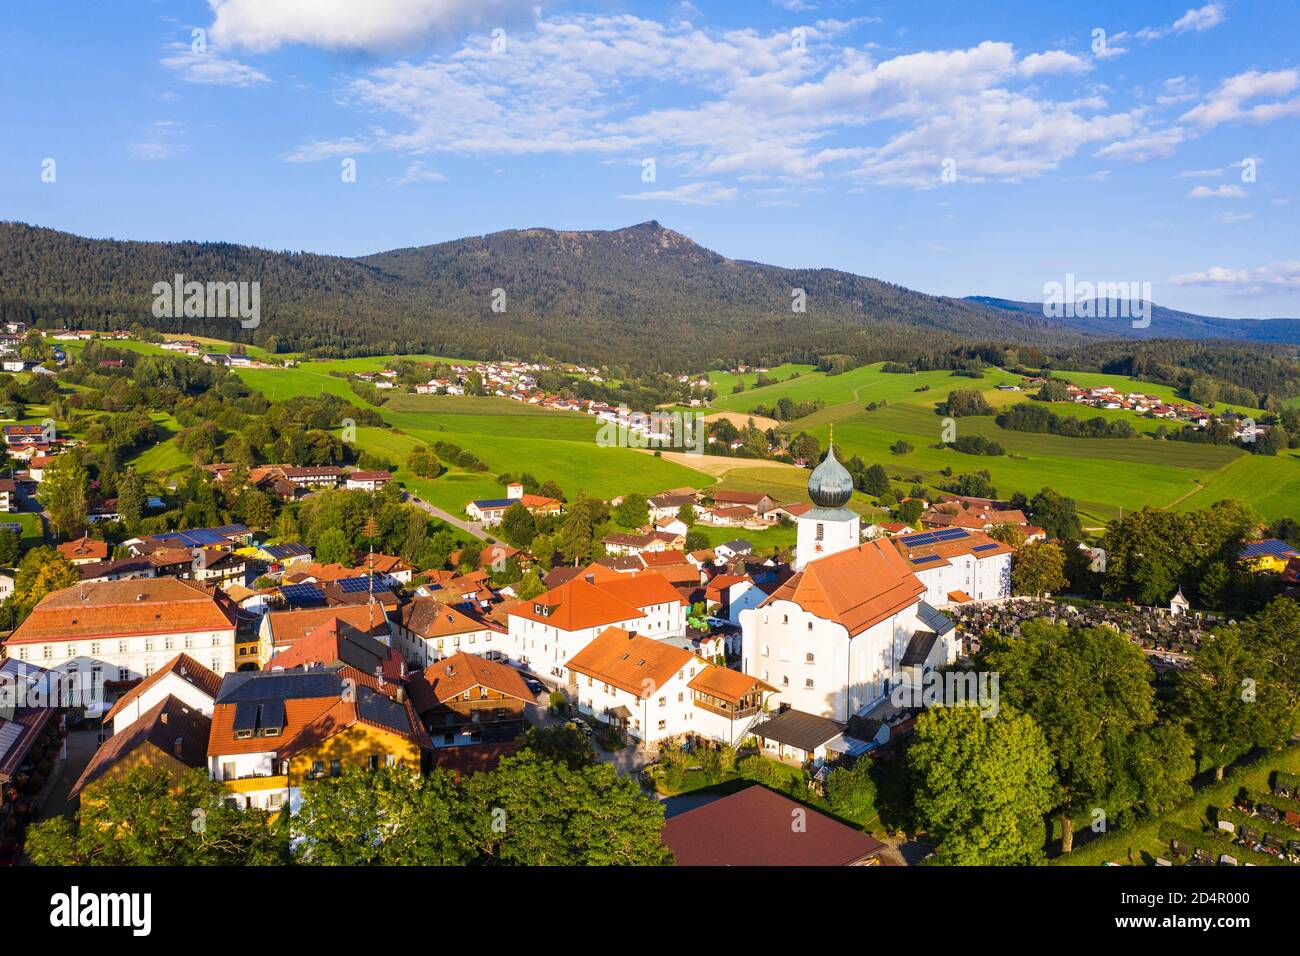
(182, 677)
(545, 632)
(126, 630)
(957, 564)
(655, 691)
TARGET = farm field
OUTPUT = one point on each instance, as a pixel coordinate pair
(1102, 475)
(1105, 476)
(861, 385)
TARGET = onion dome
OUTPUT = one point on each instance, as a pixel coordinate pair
(830, 485)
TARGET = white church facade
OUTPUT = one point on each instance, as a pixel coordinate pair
(857, 620)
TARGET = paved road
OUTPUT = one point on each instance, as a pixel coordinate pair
(470, 527)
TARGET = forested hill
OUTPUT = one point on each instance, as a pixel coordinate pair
(1165, 324)
(643, 297)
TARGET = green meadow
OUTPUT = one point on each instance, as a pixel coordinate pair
(1105, 476)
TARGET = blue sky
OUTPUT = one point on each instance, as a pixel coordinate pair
(1129, 141)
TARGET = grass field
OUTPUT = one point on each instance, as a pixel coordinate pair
(1105, 476)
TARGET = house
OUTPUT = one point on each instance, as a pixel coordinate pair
(752, 827)
(392, 569)
(311, 476)
(182, 678)
(282, 629)
(37, 466)
(171, 734)
(464, 699)
(656, 691)
(1269, 555)
(274, 730)
(490, 511)
(726, 595)
(280, 556)
(367, 480)
(19, 435)
(667, 504)
(338, 647)
(8, 495)
(102, 509)
(545, 632)
(796, 735)
(757, 501)
(109, 631)
(85, 550)
(731, 549)
(426, 630)
(957, 559)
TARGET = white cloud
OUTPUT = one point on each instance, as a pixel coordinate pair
(1197, 20)
(162, 140)
(419, 172)
(1225, 104)
(1053, 61)
(373, 25)
(1210, 15)
(1149, 144)
(210, 68)
(1199, 174)
(1230, 218)
(1177, 89)
(1270, 278)
(691, 194)
(1217, 192)
(319, 149)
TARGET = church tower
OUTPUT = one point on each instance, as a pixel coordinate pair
(829, 527)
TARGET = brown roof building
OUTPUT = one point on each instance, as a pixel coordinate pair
(753, 828)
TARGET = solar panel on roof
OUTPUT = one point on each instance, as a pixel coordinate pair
(381, 709)
(984, 547)
(246, 715)
(356, 585)
(924, 558)
(302, 594)
(272, 714)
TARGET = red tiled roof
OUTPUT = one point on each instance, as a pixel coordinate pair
(752, 828)
(184, 667)
(857, 588)
(112, 609)
(628, 661)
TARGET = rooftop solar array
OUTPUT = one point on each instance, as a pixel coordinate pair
(496, 502)
(926, 558)
(303, 593)
(261, 686)
(381, 709)
(934, 537)
(984, 547)
(1269, 546)
(357, 585)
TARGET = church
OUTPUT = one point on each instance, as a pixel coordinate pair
(852, 622)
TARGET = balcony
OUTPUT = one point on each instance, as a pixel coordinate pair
(253, 784)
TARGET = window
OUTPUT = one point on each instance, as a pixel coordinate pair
(810, 625)
(785, 681)
(808, 683)
(336, 767)
(124, 673)
(94, 647)
(809, 658)
(189, 642)
(148, 643)
(373, 762)
(49, 651)
(169, 642)
(121, 647)
(317, 768)
(275, 801)
(228, 770)
(663, 724)
(390, 760)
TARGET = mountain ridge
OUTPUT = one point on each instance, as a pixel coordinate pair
(644, 297)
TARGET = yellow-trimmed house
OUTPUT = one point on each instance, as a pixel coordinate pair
(272, 730)
(1269, 555)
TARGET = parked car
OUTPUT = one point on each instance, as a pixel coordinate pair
(534, 685)
(717, 622)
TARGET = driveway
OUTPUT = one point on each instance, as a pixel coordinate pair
(627, 761)
(469, 527)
